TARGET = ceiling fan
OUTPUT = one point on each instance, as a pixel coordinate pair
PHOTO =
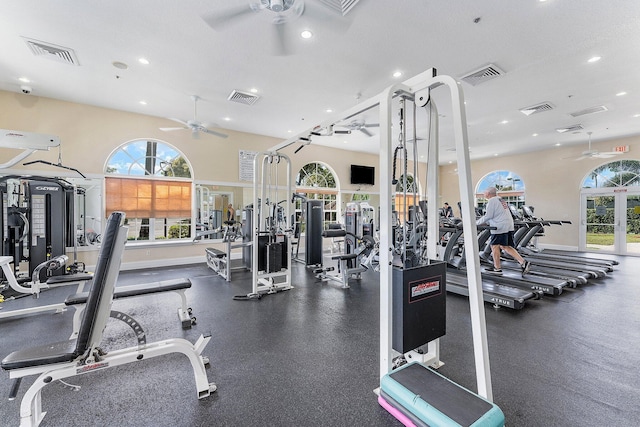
(590, 154)
(194, 125)
(360, 125)
(282, 13)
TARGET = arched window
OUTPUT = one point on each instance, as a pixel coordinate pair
(151, 182)
(621, 173)
(510, 188)
(318, 182)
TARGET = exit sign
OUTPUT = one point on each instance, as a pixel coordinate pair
(621, 149)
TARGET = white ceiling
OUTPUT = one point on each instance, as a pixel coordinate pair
(542, 47)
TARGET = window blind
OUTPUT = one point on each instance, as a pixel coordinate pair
(148, 198)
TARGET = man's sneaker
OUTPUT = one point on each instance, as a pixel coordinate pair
(526, 266)
(493, 270)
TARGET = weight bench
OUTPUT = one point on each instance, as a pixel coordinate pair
(219, 262)
(179, 286)
(84, 355)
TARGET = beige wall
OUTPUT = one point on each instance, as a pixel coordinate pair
(89, 135)
(552, 179)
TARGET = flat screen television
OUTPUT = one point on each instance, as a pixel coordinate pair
(363, 174)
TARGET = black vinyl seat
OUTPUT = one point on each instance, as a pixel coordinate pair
(70, 350)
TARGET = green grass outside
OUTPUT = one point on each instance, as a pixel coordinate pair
(607, 239)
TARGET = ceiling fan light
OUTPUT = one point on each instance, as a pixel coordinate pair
(306, 34)
(276, 5)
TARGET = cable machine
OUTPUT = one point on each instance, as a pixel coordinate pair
(271, 236)
(434, 400)
(38, 221)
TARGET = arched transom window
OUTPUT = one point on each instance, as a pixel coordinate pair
(317, 181)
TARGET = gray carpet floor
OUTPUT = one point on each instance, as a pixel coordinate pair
(309, 356)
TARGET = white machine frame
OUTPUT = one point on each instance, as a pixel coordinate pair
(30, 142)
(418, 89)
(265, 167)
(34, 290)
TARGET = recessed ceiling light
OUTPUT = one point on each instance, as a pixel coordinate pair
(558, 144)
(535, 134)
(636, 115)
(143, 61)
(306, 34)
(289, 131)
(329, 110)
(253, 90)
(397, 74)
(143, 102)
(621, 93)
(24, 80)
(495, 155)
(504, 122)
(450, 161)
(594, 59)
(227, 119)
(344, 142)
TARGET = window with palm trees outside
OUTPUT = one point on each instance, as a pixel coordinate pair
(621, 177)
(151, 182)
(510, 188)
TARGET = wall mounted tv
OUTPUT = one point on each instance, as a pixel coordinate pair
(363, 174)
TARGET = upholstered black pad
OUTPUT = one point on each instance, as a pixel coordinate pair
(70, 350)
(334, 233)
(59, 352)
(69, 278)
(345, 256)
(216, 252)
(136, 290)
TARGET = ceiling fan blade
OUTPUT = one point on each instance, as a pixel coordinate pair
(281, 41)
(218, 20)
(371, 125)
(365, 131)
(172, 129)
(182, 122)
(213, 132)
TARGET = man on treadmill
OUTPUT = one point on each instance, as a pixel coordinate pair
(498, 215)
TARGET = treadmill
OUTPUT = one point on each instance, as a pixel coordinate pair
(492, 292)
(575, 257)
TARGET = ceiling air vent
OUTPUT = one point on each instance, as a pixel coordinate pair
(52, 51)
(589, 110)
(482, 75)
(243, 97)
(341, 6)
(572, 128)
(539, 108)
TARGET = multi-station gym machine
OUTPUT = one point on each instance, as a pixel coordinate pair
(412, 280)
(266, 232)
(37, 222)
